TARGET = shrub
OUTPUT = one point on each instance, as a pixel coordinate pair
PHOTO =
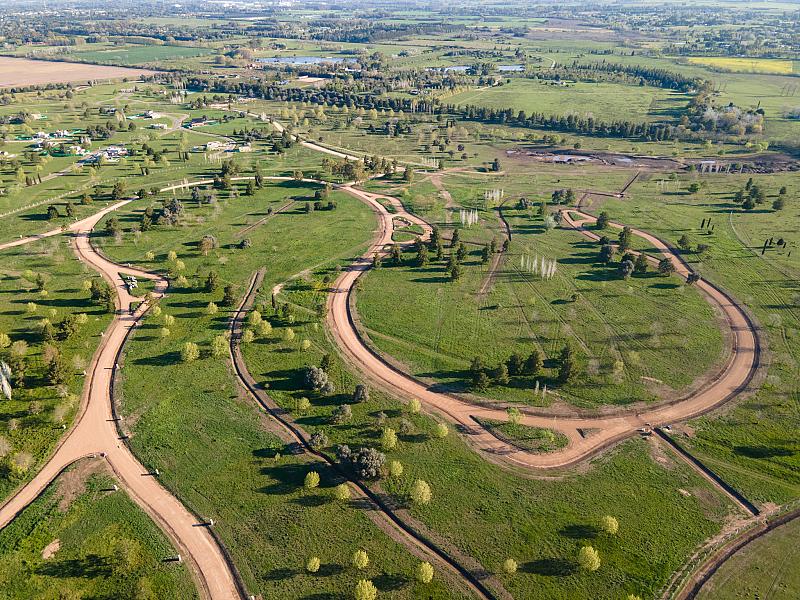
(248, 336)
(342, 492)
(414, 406)
(609, 524)
(219, 346)
(211, 309)
(311, 480)
(510, 566)
(395, 468)
(366, 463)
(190, 352)
(312, 564)
(365, 590)
(360, 559)
(441, 431)
(318, 439)
(421, 492)
(342, 414)
(589, 559)
(388, 439)
(424, 572)
(361, 393)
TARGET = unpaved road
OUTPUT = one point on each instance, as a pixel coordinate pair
(95, 433)
(730, 381)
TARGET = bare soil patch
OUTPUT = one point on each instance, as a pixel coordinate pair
(72, 483)
(18, 72)
(51, 549)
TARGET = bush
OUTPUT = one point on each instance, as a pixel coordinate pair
(441, 431)
(388, 439)
(342, 414)
(360, 559)
(589, 559)
(219, 346)
(318, 439)
(342, 492)
(424, 572)
(609, 524)
(311, 480)
(414, 406)
(312, 564)
(365, 590)
(190, 352)
(395, 468)
(510, 566)
(366, 463)
(361, 393)
(315, 378)
(421, 492)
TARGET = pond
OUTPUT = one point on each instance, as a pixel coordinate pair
(305, 60)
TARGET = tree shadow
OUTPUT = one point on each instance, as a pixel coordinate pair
(579, 531)
(386, 582)
(550, 567)
(89, 567)
(763, 451)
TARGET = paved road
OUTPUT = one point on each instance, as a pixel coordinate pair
(732, 379)
(94, 433)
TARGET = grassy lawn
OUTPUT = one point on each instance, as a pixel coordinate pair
(762, 569)
(31, 422)
(81, 539)
(631, 334)
(532, 439)
(752, 442)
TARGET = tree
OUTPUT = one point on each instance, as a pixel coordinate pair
(228, 295)
(606, 253)
(694, 188)
(318, 439)
(311, 481)
(113, 227)
(441, 430)
(251, 188)
(510, 566)
(190, 352)
(625, 238)
(481, 381)
(486, 254)
(52, 213)
(421, 492)
(207, 244)
(365, 590)
(692, 278)
(342, 492)
(388, 439)
(602, 220)
(422, 254)
(609, 525)
(589, 559)
(312, 564)
(361, 393)
(367, 463)
(640, 266)
(212, 282)
(500, 374)
(684, 243)
(779, 204)
(567, 365)
(534, 363)
(424, 572)
(360, 559)
(665, 266)
(211, 308)
(408, 175)
(414, 406)
(496, 165)
(626, 268)
(341, 414)
(456, 270)
(748, 204)
(395, 468)
(515, 364)
(58, 371)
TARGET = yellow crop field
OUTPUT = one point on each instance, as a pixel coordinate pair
(744, 65)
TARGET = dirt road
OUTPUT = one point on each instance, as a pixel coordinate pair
(732, 379)
(94, 434)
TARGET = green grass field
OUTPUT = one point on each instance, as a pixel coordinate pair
(81, 539)
(603, 100)
(31, 422)
(762, 569)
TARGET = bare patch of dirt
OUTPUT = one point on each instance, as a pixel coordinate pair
(72, 483)
(51, 549)
(22, 71)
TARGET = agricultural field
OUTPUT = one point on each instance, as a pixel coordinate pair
(744, 65)
(19, 72)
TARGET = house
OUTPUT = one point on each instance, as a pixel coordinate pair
(245, 148)
(158, 126)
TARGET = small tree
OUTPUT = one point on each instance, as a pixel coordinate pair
(311, 480)
(514, 415)
(190, 352)
(342, 492)
(640, 266)
(626, 268)
(395, 468)
(606, 253)
(510, 566)
(361, 393)
(424, 572)
(365, 590)
(684, 243)
(602, 220)
(219, 346)
(567, 366)
(441, 430)
(609, 525)
(312, 564)
(589, 559)
(665, 266)
(414, 406)
(341, 414)
(360, 559)
(229, 295)
(212, 282)
(534, 363)
(388, 439)
(318, 439)
(421, 492)
(211, 309)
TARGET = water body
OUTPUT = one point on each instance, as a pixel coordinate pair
(510, 68)
(305, 60)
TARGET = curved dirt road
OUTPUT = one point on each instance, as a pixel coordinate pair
(95, 433)
(732, 380)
